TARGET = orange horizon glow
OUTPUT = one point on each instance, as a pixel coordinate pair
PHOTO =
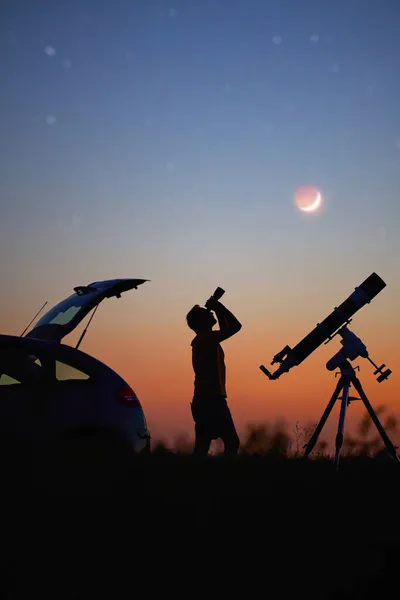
(145, 339)
(161, 374)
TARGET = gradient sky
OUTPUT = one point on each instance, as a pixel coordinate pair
(165, 140)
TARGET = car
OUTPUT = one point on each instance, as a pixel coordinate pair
(50, 390)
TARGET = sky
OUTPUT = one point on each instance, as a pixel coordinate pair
(165, 140)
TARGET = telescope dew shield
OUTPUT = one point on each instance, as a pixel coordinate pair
(363, 294)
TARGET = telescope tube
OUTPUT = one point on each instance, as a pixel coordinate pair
(363, 294)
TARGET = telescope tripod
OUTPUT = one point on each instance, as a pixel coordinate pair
(347, 378)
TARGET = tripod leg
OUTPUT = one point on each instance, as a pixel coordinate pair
(313, 440)
(390, 447)
(342, 416)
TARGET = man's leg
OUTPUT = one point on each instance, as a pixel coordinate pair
(231, 442)
(202, 438)
(229, 434)
(201, 445)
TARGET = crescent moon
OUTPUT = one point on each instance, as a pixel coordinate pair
(316, 204)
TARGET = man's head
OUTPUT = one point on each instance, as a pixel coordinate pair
(200, 319)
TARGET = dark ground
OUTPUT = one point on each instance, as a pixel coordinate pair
(100, 523)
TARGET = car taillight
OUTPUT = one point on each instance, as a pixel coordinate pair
(128, 397)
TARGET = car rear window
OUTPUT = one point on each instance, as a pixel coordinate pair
(67, 309)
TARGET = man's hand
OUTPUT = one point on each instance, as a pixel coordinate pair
(212, 303)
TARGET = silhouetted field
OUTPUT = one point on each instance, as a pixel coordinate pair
(87, 521)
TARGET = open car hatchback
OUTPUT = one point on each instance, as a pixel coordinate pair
(49, 389)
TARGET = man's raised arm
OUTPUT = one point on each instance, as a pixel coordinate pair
(228, 323)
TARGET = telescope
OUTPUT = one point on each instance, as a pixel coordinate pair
(326, 330)
(352, 347)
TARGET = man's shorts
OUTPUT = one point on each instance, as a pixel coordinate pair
(212, 417)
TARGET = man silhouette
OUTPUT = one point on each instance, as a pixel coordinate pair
(209, 408)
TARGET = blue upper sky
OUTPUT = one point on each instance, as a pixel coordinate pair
(138, 135)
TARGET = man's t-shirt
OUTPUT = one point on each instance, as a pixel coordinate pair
(208, 365)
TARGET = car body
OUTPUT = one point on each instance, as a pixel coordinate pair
(49, 389)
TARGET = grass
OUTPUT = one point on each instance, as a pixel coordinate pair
(95, 520)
